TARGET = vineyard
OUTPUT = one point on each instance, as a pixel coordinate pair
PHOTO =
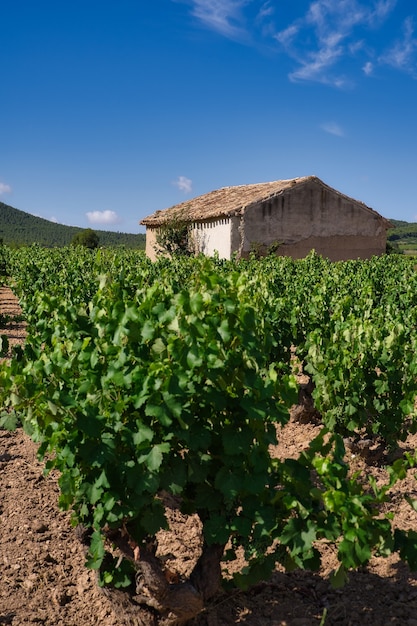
(146, 384)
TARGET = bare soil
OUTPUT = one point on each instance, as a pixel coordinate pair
(44, 580)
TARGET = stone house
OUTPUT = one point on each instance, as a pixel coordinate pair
(291, 217)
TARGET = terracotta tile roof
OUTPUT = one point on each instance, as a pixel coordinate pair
(230, 201)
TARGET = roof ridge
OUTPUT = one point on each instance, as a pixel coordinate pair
(233, 200)
(266, 182)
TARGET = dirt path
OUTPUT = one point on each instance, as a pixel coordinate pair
(44, 580)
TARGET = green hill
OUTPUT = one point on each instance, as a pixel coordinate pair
(20, 228)
(403, 236)
(399, 223)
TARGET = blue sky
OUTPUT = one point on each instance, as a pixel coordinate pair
(112, 110)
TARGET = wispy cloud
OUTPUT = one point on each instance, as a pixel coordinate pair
(5, 188)
(383, 8)
(368, 68)
(265, 11)
(223, 16)
(331, 42)
(103, 217)
(184, 184)
(334, 31)
(316, 65)
(402, 55)
(333, 129)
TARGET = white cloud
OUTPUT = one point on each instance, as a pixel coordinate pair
(329, 42)
(184, 184)
(5, 188)
(315, 67)
(330, 28)
(402, 55)
(223, 16)
(103, 217)
(266, 10)
(264, 20)
(287, 36)
(333, 129)
(368, 68)
(383, 8)
(227, 17)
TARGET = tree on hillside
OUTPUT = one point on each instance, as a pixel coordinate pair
(87, 238)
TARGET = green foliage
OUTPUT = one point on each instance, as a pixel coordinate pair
(139, 379)
(173, 238)
(336, 507)
(3, 260)
(117, 574)
(168, 390)
(9, 420)
(362, 358)
(87, 238)
(393, 247)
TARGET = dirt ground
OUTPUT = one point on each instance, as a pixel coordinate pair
(44, 580)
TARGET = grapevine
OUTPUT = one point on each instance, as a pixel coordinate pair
(140, 380)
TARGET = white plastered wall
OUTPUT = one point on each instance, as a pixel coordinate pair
(213, 236)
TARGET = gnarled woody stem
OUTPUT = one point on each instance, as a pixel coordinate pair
(176, 602)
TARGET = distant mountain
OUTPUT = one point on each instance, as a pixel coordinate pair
(20, 228)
